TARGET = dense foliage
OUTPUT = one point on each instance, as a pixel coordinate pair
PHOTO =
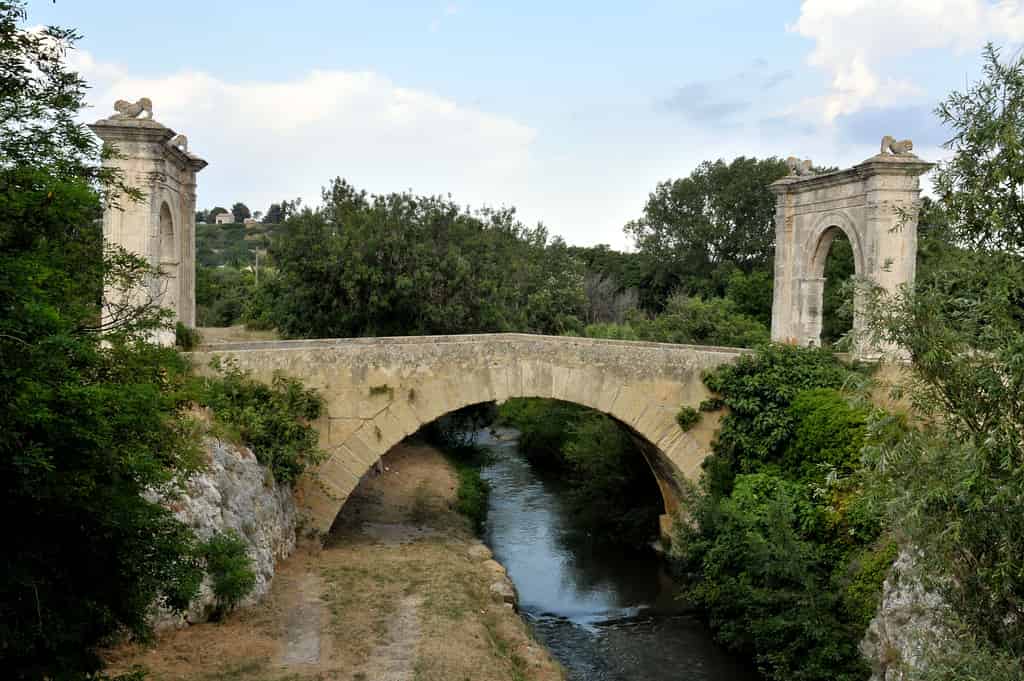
(955, 485)
(273, 420)
(230, 569)
(758, 390)
(786, 556)
(610, 488)
(717, 321)
(94, 422)
(696, 231)
(89, 421)
(401, 264)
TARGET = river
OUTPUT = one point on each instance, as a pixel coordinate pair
(604, 615)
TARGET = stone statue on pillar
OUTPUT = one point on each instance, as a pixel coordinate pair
(161, 228)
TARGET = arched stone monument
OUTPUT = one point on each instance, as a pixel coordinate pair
(874, 203)
(161, 228)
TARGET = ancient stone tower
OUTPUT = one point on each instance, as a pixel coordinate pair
(874, 203)
(160, 228)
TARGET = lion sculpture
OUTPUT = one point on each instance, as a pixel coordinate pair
(896, 147)
(798, 167)
(140, 109)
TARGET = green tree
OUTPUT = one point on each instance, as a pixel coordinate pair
(240, 212)
(89, 421)
(784, 552)
(274, 214)
(717, 321)
(955, 484)
(401, 264)
(752, 294)
(697, 230)
(211, 216)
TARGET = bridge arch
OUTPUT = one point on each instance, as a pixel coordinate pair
(379, 391)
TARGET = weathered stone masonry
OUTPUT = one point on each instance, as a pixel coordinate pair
(379, 390)
(874, 204)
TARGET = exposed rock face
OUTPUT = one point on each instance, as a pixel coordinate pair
(236, 493)
(909, 621)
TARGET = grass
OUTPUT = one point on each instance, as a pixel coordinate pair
(461, 635)
(501, 646)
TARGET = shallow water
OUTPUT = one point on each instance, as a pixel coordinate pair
(604, 615)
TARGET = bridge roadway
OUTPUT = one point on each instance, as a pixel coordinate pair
(379, 390)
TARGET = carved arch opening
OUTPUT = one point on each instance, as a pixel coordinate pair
(168, 247)
(665, 489)
(818, 247)
(168, 258)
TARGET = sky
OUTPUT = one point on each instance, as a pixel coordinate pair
(569, 111)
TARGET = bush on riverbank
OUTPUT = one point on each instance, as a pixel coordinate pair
(454, 435)
(786, 555)
(612, 492)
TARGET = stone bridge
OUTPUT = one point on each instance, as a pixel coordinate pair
(379, 390)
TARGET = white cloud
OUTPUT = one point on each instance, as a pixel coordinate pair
(855, 38)
(270, 140)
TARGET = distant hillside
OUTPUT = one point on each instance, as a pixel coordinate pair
(232, 244)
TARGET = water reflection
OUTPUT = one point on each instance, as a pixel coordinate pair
(606, 615)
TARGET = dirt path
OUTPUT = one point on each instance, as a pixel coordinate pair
(304, 624)
(392, 596)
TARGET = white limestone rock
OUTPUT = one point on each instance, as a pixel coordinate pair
(909, 621)
(235, 493)
(502, 591)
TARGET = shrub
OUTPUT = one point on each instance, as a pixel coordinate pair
(828, 434)
(865, 574)
(715, 321)
(758, 571)
(272, 419)
(785, 556)
(472, 494)
(186, 338)
(687, 418)
(230, 569)
(758, 389)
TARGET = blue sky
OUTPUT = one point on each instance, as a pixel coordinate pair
(570, 111)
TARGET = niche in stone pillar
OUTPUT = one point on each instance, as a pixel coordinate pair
(169, 261)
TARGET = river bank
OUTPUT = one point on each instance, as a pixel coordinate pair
(393, 595)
